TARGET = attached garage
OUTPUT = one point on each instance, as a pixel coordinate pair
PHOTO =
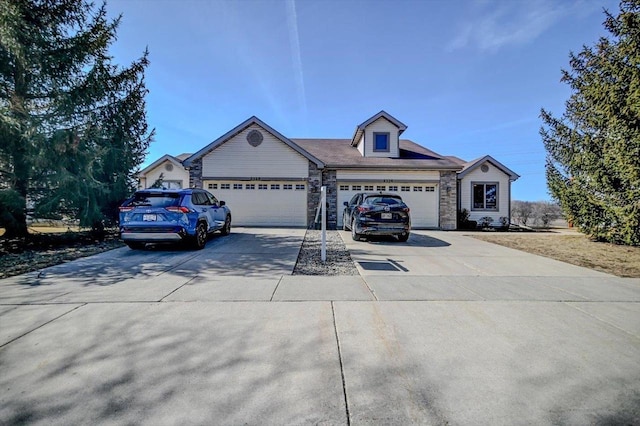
(268, 179)
(263, 202)
(261, 175)
(418, 190)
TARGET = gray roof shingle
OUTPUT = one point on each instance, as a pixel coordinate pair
(338, 153)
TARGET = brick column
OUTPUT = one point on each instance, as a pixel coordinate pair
(195, 174)
(448, 200)
(314, 183)
(329, 179)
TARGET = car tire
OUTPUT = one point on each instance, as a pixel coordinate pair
(403, 237)
(135, 245)
(354, 235)
(200, 239)
(226, 229)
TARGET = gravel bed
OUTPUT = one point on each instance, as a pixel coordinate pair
(338, 258)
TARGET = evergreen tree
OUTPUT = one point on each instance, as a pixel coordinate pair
(72, 124)
(593, 151)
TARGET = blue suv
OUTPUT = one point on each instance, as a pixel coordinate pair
(172, 215)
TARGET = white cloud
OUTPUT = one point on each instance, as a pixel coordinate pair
(498, 24)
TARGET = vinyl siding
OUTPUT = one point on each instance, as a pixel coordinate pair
(478, 176)
(381, 125)
(236, 158)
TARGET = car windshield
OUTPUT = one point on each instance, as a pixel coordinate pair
(152, 199)
(383, 200)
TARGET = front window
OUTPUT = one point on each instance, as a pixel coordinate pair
(381, 141)
(485, 196)
(172, 184)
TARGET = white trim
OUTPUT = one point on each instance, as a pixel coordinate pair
(159, 161)
(472, 165)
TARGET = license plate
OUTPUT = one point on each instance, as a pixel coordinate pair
(149, 218)
(386, 215)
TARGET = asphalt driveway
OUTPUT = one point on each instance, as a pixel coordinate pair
(444, 329)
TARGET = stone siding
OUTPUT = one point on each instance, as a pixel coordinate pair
(195, 174)
(313, 192)
(329, 179)
(448, 200)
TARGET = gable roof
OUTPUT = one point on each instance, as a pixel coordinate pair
(382, 114)
(183, 156)
(175, 161)
(472, 165)
(456, 160)
(339, 153)
(242, 126)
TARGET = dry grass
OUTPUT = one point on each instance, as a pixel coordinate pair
(46, 229)
(577, 249)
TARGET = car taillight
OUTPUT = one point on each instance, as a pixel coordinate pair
(126, 209)
(177, 209)
(363, 209)
(406, 209)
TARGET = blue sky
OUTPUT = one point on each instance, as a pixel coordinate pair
(468, 78)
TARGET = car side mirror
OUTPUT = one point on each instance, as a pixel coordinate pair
(222, 203)
(346, 203)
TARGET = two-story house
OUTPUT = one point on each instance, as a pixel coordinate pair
(270, 180)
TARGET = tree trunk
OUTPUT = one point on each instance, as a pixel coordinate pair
(14, 219)
(16, 225)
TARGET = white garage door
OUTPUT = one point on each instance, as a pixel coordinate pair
(422, 199)
(263, 203)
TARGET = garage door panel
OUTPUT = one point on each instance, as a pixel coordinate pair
(263, 203)
(421, 197)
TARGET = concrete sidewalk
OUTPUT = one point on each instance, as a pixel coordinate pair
(226, 336)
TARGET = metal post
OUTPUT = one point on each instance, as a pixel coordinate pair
(323, 205)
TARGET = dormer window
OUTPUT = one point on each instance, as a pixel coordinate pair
(379, 136)
(381, 142)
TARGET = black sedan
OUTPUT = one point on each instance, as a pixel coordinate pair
(376, 214)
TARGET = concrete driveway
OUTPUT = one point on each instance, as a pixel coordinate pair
(444, 329)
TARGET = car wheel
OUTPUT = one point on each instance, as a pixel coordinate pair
(354, 235)
(403, 237)
(200, 238)
(226, 230)
(135, 245)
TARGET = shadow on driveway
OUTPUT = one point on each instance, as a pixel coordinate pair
(241, 253)
(415, 240)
